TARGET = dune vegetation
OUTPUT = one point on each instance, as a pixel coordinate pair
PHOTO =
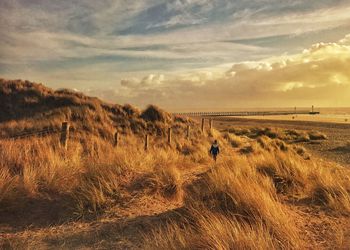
(244, 201)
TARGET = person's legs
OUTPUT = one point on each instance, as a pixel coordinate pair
(214, 156)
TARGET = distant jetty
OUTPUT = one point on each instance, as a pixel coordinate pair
(250, 113)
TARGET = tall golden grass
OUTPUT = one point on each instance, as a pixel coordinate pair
(92, 171)
(237, 203)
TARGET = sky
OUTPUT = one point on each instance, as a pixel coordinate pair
(183, 54)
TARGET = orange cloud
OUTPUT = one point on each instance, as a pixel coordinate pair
(319, 75)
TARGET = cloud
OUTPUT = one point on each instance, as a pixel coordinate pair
(149, 81)
(345, 40)
(82, 29)
(167, 52)
(319, 75)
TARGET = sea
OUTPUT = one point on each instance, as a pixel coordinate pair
(326, 114)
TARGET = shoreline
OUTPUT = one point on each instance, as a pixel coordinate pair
(264, 120)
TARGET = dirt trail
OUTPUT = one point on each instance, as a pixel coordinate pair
(319, 229)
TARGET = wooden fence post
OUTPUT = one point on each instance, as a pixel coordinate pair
(210, 123)
(202, 127)
(116, 139)
(64, 134)
(169, 135)
(146, 142)
(188, 132)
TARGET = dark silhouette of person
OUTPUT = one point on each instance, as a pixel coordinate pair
(214, 149)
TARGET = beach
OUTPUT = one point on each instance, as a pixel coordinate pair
(336, 148)
(337, 116)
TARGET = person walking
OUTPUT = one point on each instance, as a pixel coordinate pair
(214, 150)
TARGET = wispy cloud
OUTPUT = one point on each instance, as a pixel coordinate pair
(73, 28)
(79, 44)
(317, 75)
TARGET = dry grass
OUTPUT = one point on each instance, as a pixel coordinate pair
(92, 173)
(244, 196)
(239, 203)
(234, 140)
(211, 231)
(163, 180)
(223, 209)
(290, 135)
(27, 102)
(315, 135)
(225, 212)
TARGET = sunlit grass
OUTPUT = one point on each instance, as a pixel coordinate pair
(236, 203)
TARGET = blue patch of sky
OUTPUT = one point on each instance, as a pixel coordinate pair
(155, 18)
(295, 43)
(151, 16)
(158, 18)
(121, 63)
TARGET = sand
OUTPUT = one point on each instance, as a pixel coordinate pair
(336, 148)
(333, 118)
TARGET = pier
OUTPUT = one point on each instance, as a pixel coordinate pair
(249, 113)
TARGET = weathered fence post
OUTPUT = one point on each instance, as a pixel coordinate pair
(64, 134)
(202, 127)
(116, 139)
(169, 135)
(188, 132)
(146, 142)
(295, 110)
(210, 123)
(312, 108)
